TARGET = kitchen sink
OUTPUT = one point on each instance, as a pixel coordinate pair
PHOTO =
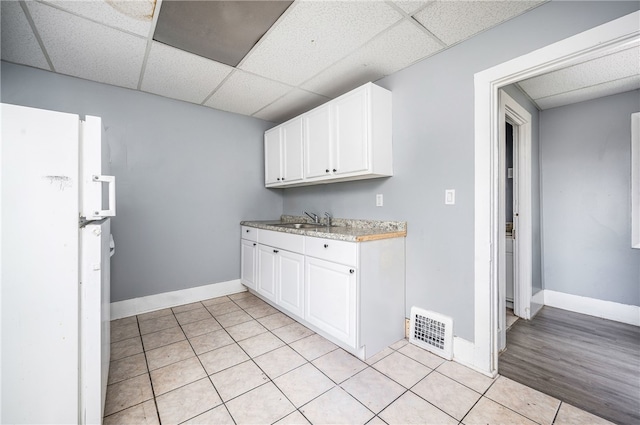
(299, 225)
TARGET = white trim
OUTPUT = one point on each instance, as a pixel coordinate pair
(609, 310)
(149, 303)
(635, 180)
(537, 302)
(463, 353)
(620, 32)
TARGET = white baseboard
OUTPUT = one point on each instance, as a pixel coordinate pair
(618, 312)
(464, 352)
(537, 302)
(126, 308)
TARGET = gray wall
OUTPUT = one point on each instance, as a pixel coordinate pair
(186, 175)
(586, 167)
(433, 143)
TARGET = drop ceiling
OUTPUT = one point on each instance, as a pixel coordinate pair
(315, 51)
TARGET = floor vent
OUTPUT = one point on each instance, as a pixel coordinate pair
(432, 331)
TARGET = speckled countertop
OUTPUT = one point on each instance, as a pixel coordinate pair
(341, 228)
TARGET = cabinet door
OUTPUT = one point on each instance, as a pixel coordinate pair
(330, 298)
(317, 142)
(291, 282)
(272, 163)
(292, 150)
(248, 263)
(351, 153)
(267, 271)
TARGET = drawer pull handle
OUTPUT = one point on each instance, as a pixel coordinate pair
(247, 230)
(327, 170)
(275, 251)
(352, 271)
(254, 244)
(326, 245)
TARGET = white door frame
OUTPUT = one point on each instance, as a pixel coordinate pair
(610, 36)
(512, 112)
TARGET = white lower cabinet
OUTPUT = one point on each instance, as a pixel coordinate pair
(248, 263)
(330, 298)
(352, 293)
(290, 282)
(267, 271)
(280, 270)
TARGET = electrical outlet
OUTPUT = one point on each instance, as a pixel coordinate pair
(379, 200)
(407, 326)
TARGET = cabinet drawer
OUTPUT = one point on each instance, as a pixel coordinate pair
(293, 243)
(332, 250)
(249, 233)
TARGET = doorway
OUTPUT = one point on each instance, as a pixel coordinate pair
(488, 235)
(515, 217)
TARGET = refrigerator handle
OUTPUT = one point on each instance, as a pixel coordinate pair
(111, 182)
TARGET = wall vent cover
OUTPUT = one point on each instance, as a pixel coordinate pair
(432, 331)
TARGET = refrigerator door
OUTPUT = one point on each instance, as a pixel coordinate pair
(91, 173)
(95, 316)
(39, 258)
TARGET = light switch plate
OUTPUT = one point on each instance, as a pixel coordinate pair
(450, 197)
(379, 200)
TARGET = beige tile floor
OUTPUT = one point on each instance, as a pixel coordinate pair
(237, 360)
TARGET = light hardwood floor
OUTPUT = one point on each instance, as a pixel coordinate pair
(591, 363)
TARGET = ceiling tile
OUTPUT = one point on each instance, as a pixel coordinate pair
(410, 6)
(292, 104)
(619, 65)
(88, 50)
(181, 75)
(395, 49)
(316, 34)
(591, 92)
(19, 44)
(130, 15)
(245, 93)
(454, 21)
(222, 30)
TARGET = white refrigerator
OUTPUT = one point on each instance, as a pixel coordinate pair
(54, 270)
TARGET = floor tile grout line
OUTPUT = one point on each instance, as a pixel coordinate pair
(153, 391)
(555, 416)
(148, 373)
(437, 407)
(182, 386)
(503, 405)
(387, 405)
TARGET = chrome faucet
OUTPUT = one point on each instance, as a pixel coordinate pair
(313, 217)
(328, 223)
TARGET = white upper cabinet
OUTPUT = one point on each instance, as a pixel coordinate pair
(348, 138)
(283, 153)
(272, 156)
(350, 147)
(317, 142)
